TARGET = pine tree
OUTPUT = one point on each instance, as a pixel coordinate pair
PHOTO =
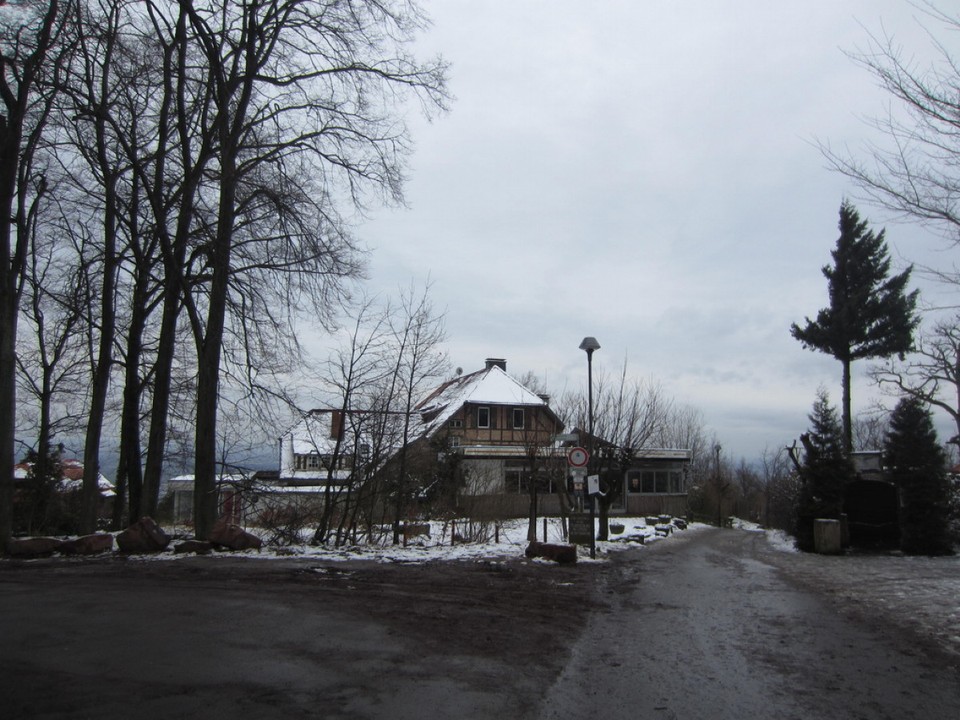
(825, 472)
(870, 314)
(917, 465)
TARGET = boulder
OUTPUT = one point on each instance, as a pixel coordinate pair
(88, 545)
(33, 547)
(143, 536)
(198, 547)
(562, 554)
(234, 537)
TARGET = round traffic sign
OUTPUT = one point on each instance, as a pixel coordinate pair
(578, 457)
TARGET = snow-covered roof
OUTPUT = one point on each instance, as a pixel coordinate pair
(71, 472)
(312, 435)
(491, 386)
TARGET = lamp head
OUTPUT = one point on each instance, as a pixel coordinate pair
(589, 344)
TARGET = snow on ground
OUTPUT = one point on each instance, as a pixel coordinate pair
(504, 540)
(921, 593)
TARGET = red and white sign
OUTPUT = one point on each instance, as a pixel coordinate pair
(578, 457)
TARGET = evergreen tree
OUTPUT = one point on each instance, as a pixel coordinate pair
(917, 465)
(825, 472)
(870, 314)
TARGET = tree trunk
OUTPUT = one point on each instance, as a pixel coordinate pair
(8, 332)
(209, 348)
(90, 499)
(162, 375)
(129, 467)
(532, 513)
(847, 419)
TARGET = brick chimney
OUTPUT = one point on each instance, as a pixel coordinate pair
(336, 424)
(496, 362)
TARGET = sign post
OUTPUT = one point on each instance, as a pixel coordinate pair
(582, 525)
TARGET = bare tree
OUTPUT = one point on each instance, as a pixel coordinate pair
(781, 488)
(30, 53)
(629, 415)
(931, 375)
(289, 83)
(418, 333)
(51, 355)
(915, 175)
(353, 372)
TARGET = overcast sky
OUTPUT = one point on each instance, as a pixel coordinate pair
(646, 173)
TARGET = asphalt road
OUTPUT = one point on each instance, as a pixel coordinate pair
(711, 624)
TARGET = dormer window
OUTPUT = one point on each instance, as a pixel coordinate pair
(483, 417)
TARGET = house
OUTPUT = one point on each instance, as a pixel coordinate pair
(71, 478)
(504, 433)
(66, 489)
(323, 448)
(474, 443)
(501, 434)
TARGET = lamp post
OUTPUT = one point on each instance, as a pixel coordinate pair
(590, 344)
(720, 488)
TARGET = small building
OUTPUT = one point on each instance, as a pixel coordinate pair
(871, 503)
(657, 482)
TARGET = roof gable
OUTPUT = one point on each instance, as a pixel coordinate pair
(491, 386)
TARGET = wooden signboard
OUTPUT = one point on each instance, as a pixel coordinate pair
(581, 528)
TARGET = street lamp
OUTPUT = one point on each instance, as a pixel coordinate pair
(590, 344)
(720, 489)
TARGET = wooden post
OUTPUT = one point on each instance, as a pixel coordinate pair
(544, 529)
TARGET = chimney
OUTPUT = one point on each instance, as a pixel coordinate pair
(496, 362)
(336, 424)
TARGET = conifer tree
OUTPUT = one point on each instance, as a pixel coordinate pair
(917, 465)
(870, 314)
(825, 472)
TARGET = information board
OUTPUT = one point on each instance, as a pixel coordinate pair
(581, 528)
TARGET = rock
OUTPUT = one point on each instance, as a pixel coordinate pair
(199, 547)
(88, 545)
(562, 554)
(143, 536)
(33, 547)
(234, 537)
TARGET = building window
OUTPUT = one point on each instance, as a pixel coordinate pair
(655, 482)
(483, 417)
(306, 462)
(517, 480)
(518, 418)
(456, 423)
(454, 441)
